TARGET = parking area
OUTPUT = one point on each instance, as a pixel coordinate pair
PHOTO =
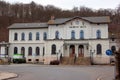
(60, 72)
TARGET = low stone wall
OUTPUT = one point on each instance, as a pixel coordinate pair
(101, 60)
(4, 61)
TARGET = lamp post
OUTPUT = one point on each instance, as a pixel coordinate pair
(57, 55)
(91, 56)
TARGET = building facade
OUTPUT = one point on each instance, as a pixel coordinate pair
(69, 37)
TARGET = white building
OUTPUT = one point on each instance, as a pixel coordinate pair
(80, 36)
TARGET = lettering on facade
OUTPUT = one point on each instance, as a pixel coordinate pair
(77, 27)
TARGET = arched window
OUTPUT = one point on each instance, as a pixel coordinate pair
(72, 34)
(98, 34)
(56, 35)
(53, 48)
(30, 51)
(113, 48)
(15, 36)
(23, 36)
(81, 34)
(23, 51)
(30, 36)
(15, 50)
(45, 36)
(37, 36)
(37, 51)
(99, 49)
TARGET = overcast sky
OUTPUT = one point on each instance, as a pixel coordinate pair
(69, 4)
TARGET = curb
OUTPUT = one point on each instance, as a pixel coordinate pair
(15, 76)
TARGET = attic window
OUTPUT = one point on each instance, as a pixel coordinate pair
(77, 22)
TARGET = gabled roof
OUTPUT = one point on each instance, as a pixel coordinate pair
(103, 19)
(28, 25)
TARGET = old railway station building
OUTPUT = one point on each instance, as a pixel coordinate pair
(69, 37)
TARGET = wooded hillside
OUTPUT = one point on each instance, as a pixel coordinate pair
(33, 12)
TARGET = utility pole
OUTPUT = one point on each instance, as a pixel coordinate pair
(117, 64)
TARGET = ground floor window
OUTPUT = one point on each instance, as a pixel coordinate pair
(113, 48)
(23, 51)
(99, 49)
(15, 50)
(30, 51)
(37, 51)
(72, 50)
(53, 48)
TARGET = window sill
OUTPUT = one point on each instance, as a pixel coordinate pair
(15, 40)
(22, 40)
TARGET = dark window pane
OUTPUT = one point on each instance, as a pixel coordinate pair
(37, 36)
(15, 36)
(15, 50)
(30, 36)
(45, 36)
(37, 51)
(53, 49)
(98, 34)
(56, 35)
(30, 51)
(99, 49)
(22, 36)
(23, 51)
(81, 34)
(73, 34)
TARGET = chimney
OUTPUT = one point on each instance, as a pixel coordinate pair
(52, 17)
(51, 21)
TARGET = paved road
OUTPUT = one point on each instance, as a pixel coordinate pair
(47, 72)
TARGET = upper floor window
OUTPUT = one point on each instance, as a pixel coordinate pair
(72, 34)
(37, 36)
(56, 35)
(81, 34)
(30, 51)
(15, 50)
(53, 48)
(23, 36)
(15, 36)
(45, 36)
(99, 49)
(98, 34)
(30, 36)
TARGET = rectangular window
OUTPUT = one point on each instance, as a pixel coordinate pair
(37, 36)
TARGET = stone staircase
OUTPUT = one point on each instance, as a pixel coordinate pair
(78, 61)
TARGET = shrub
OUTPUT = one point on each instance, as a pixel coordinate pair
(19, 61)
(54, 62)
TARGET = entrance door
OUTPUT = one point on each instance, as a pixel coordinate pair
(72, 50)
(81, 51)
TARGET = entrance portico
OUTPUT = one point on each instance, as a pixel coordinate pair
(80, 50)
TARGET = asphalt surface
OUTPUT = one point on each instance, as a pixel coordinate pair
(48, 72)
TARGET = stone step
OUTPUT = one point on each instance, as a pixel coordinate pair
(78, 61)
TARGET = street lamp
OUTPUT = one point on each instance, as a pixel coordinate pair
(91, 56)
